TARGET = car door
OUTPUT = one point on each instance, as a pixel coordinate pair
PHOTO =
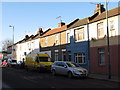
(62, 68)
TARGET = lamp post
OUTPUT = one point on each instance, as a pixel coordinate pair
(108, 45)
(13, 38)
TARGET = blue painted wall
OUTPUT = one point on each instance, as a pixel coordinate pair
(78, 47)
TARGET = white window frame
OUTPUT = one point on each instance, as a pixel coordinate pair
(100, 28)
(79, 32)
(63, 53)
(46, 41)
(56, 55)
(68, 37)
(101, 52)
(112, 28)
(77, 56)
(56, 39)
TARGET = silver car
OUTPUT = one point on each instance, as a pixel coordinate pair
(68, 68)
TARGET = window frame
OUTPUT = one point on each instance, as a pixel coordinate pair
(100, 53)
(56, 39)
(83, 34)
(112, 30)
(68, 37)
(83, 57)
(99, 30)
(56, 58)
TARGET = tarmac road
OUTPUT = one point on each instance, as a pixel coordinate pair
(20, 78)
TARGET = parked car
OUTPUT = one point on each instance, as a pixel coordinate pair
(20, 64)
(13, 62)
(4, 63)
(70, 69)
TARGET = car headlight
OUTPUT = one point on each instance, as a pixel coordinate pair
(76, 71)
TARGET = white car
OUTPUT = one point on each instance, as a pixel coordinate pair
(13, 62)
(68, 68)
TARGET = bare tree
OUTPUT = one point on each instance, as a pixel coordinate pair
(6, 43)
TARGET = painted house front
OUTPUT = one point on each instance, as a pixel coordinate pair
(99, 63)
(54, 42)
(30, 44)
(77, 39)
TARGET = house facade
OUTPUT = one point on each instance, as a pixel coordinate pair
(77, 43)
(30, 44)
(54, 42)
(99, 63)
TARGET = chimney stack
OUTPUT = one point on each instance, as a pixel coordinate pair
(100, 8)
(26, 36)
(39, 31)
(61, 24)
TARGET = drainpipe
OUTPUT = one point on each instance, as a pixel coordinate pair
(88, 45)
(108, 45)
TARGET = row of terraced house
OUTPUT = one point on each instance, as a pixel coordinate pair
(83, 41)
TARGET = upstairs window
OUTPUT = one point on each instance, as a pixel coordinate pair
(56, 39)
(68, 37)
(100, 30)
(112, 28)
(79, 34)
(46, 41)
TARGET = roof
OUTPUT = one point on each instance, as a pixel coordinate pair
(112, 12)
(96, 17)
(79, 23)
(55, 30)
(60, 29)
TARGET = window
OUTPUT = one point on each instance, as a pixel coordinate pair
(101, 56)
(46, 41)
(79, 34)
(32, 46)
(100, 30)
(69, 55)
(56, 56)
(112, 28)
(68, 37)
(43, 59)
(80, 58)
(61, 64)
(56, 39)
(64, 55)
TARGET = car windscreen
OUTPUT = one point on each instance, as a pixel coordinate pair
(72, 64)
(43, 59)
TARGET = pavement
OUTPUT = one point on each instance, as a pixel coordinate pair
(104, 77)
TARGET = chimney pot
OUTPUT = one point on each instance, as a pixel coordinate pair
(100, 8)
(40, 31)
(61, 24)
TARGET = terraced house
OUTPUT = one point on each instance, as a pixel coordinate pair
(83, 41)
(99, 63)
(30, 44)
(54, 42)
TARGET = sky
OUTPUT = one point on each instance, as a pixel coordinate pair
(27, 17)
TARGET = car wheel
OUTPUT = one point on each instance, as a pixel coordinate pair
(53, 72)
(70, 75)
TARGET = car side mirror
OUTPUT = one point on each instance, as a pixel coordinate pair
(65, 66)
